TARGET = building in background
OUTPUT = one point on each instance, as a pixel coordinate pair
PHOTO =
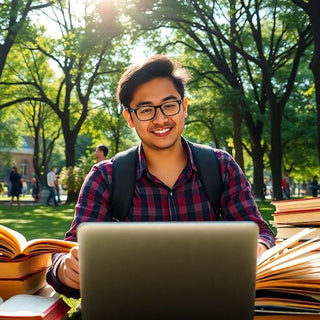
(22, 158)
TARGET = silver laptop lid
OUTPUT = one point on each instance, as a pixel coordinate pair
(188, 270)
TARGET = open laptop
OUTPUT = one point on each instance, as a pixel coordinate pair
(165, 270)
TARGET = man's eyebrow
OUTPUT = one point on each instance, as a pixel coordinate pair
(142, 103)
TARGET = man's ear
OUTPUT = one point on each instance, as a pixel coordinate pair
(185, 107)
(128, 117)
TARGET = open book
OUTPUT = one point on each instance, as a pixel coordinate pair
(32, 307)
(288, 277)
(13, 245)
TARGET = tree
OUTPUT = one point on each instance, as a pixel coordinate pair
(312, 9)
(82, 54)
(260, 33)
(41, 122)
(14, 16)
(10, 136)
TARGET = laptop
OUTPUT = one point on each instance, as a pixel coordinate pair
(168, 270)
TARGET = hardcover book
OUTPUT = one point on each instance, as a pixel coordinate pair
(32, 307)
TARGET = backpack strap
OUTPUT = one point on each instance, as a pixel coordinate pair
(124, 171)
(124, 178)
(210, 174)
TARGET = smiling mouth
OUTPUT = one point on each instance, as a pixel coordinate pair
(161, 132)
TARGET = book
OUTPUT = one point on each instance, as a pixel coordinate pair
(32, 307)
(23, 266)
(287, 231)
(13, 245)
(28, 284)
(288, 275)
(296, 204)
(300, 217)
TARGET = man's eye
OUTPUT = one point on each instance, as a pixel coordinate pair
(169, 105)
(145, 110)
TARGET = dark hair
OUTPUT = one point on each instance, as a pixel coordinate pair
(158, 66)
(103, 148)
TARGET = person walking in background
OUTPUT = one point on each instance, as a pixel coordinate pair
(51, 177)
(57, 187)
(314, 186)
(24, 188)
(286, 182)
(16, 185)
(101, 152)
(35, 189)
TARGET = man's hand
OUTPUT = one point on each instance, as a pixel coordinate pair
(261, 249)
(68, 270)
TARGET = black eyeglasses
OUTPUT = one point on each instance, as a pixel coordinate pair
(148, 112)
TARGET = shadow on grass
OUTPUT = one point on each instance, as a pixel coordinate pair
(38, 221)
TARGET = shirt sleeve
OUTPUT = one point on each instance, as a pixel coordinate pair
(92, 206)
(237, 201)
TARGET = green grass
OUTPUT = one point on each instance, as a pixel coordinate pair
(267, 210)
(40, 221)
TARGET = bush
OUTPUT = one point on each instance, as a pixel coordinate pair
(72, 177)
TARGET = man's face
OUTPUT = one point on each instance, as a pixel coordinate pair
(162, 131)
(98, 154)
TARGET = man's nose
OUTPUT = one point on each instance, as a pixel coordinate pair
(160, 116)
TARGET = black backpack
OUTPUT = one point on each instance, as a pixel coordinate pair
(124, 178)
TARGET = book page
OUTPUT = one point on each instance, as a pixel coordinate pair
(38, 246)
(11, 239)
(270, 253)
(25, 305)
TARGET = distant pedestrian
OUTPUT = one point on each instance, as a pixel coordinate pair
(24, 188)
(315, 186)
(35, 189)
(57, 187)
(51, 177)
(16, 185)
(101, 152)
(286, 183)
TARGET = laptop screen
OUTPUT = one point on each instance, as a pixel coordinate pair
(163, 270)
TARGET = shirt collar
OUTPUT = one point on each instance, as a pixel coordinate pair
(142, 165)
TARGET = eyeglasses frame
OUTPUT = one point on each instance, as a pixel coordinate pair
(155, 110)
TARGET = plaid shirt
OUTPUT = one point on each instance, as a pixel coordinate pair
(154, 201)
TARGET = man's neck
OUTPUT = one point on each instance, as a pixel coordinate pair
(166, 164)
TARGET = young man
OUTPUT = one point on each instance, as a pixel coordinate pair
(101, 152)
(168, 187)
(51, 177)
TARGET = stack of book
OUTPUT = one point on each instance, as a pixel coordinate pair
(23, 264)
(288, 278)
(292, 216)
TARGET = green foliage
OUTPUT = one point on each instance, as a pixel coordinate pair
(72, 177)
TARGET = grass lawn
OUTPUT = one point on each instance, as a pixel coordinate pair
(40, 221)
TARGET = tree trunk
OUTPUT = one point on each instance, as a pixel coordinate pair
(237, 122)
(276, 150)
(70, 139)
(258, 176)
(314, 14)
